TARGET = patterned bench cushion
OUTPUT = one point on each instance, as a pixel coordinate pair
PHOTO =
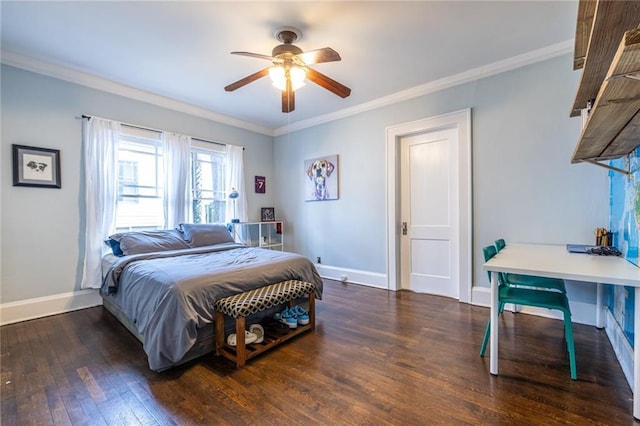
(250, 302)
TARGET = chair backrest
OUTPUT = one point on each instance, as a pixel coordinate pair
(489, 252)
(500, 244)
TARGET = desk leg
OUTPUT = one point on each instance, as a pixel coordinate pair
(599, 297)
(493, 348)
(636, 356)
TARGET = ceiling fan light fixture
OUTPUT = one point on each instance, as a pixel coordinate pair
(291, 67)
(278, 77)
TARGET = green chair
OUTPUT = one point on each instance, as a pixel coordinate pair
(554, 284)
(532, 297)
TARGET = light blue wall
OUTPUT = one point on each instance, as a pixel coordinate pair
(42, 229)
(524, 187)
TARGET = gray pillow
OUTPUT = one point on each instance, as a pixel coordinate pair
(149, 241)
(205, 234)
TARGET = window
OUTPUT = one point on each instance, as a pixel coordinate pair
(207, 186)
(140, 204)
(127, 180)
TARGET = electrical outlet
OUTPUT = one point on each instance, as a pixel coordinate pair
(318, 259)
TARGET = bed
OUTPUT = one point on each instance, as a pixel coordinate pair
(162, 285)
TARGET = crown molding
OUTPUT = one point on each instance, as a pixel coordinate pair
(474, 74)
(85, 79)
(89, 80)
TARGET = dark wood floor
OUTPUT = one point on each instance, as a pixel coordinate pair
(377, 357)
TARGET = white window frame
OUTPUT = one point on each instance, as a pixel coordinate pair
(153, 138)
(219, 194)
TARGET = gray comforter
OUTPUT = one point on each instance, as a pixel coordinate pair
(169, 295)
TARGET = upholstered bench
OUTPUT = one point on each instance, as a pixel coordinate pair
(242, 305)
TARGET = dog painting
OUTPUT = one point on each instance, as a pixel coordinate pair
(33, 166)
(321, 178)
(37, 167)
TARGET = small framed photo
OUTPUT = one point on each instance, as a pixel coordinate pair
(36, 167)
(268, 214)
(261, 184)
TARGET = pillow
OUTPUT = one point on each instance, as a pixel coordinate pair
(114, 246)
(147, 241)
(205, 234)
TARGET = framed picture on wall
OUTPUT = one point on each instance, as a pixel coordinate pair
(38, 167)
(261, 184)
(268, 214)
(321, 178)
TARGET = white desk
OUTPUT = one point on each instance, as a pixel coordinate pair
(556, 262)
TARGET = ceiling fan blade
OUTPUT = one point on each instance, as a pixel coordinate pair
(248, 79)
(318, 56)
(288, 98)
(328, 83)
(257, 55)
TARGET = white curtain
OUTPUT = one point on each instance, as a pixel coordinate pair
(177, 197)
(235, 179)
(100, 140)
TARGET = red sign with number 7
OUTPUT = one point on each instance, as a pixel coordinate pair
(261, 184)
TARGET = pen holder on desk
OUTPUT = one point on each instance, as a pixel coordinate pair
(604, 237)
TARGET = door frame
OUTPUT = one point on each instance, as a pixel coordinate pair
(460, 120)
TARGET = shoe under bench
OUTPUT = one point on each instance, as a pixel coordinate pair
(241, 305)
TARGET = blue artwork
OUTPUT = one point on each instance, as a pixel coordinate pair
(624, 220)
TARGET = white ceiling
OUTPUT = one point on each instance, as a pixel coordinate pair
(181, 50)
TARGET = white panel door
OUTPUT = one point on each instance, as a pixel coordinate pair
(429, 212)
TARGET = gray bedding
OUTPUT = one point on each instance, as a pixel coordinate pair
(170, 295)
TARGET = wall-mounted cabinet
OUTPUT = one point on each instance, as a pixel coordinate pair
(608, 49)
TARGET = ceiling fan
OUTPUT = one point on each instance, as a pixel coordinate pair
(291, 66)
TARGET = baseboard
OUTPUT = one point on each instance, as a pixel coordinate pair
(50, 305)
(481, 296)
(60, 303)
(353, 276)
(621, 347)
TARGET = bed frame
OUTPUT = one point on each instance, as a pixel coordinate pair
(205, 343)
(206, 340)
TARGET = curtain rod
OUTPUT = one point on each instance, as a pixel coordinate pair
(88, 117)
